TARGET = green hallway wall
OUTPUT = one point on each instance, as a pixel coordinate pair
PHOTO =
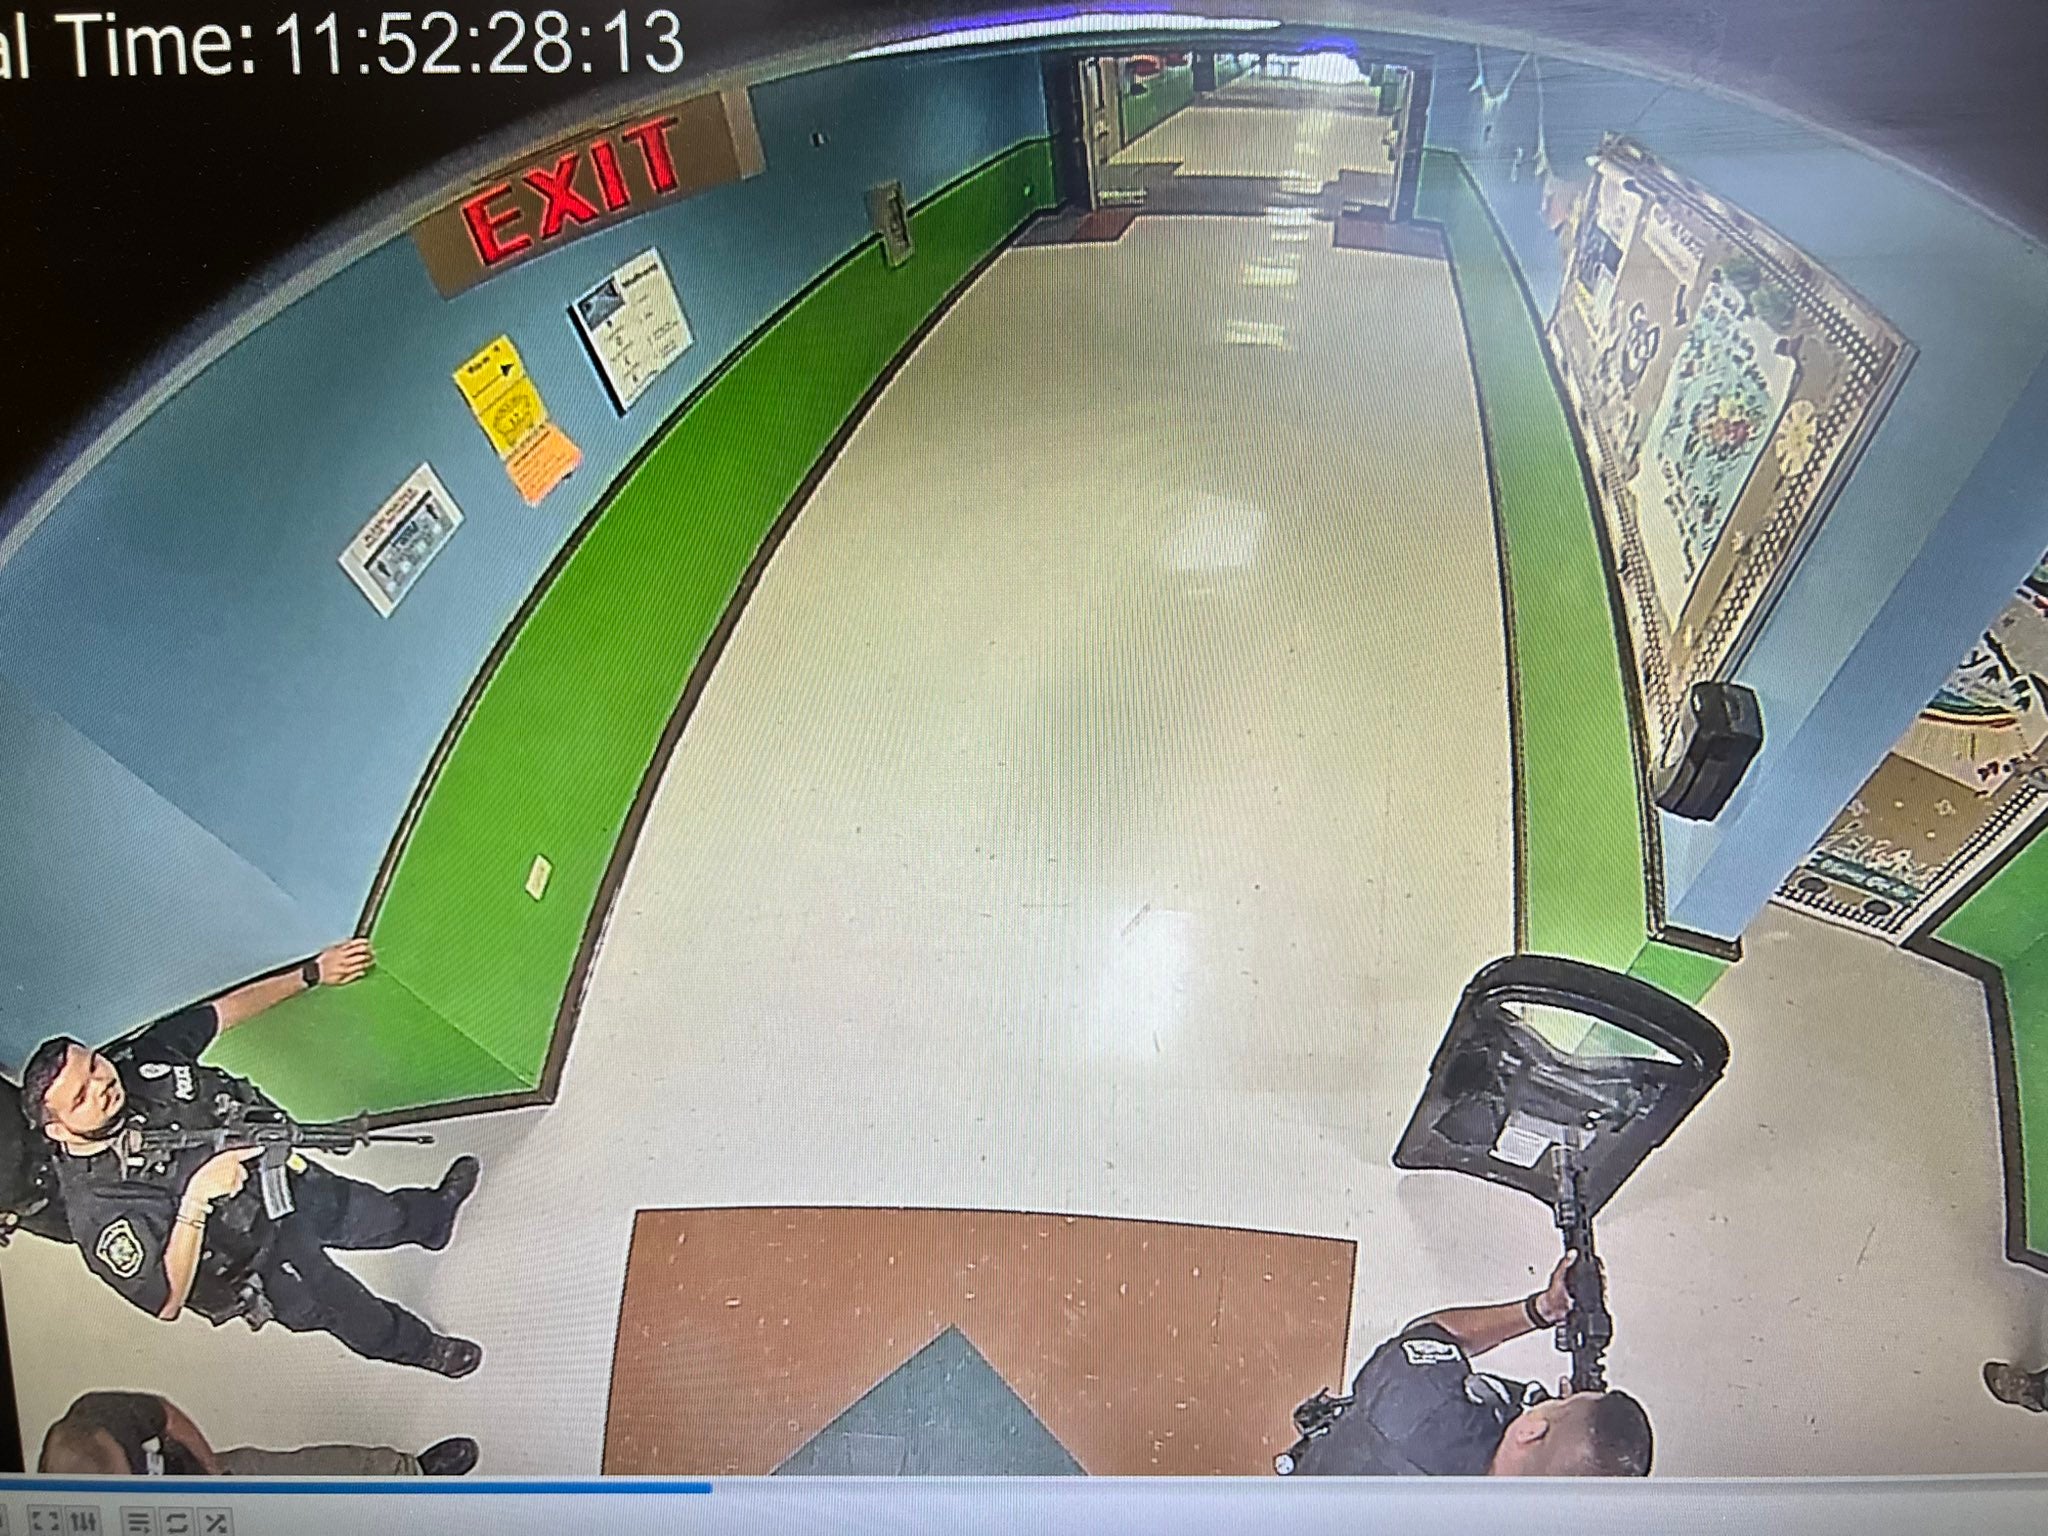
(1584, 891)
(2026, 990)
(471, 970)
(2005, 922)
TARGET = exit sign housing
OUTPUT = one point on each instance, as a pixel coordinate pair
(577, 186)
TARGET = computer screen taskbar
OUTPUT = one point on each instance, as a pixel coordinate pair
(69, 1506)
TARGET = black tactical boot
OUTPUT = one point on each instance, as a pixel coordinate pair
(452, 1357)
(448, 1458)
(456, 1186)
(2010, 1384)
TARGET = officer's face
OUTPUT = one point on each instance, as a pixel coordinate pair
(86, 1096)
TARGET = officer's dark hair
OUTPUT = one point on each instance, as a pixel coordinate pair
(1618, 1436)
(39, 1074)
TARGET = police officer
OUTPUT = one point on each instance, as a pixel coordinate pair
(116, 1434)
(191, 1230)
(1418, 1408)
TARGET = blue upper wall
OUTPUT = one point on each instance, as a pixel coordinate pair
(243, 729)
(1841, 665)
(95, 856)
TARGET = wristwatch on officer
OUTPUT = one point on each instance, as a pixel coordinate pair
(309, 973)
(1535, 1312)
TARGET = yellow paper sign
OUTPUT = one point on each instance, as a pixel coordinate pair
(503, 398)
(537, 454)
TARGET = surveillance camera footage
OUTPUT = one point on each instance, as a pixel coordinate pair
(1090, 768)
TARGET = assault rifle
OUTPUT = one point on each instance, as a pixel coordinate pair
(239, 1126)
(1588, 1328)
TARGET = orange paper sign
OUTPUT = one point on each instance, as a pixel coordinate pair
(542, 462)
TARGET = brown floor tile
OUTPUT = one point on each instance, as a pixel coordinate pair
(1145, 1347)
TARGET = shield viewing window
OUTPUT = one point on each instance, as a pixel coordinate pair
(1544, 1052)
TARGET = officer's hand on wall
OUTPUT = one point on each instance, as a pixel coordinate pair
(345, 962)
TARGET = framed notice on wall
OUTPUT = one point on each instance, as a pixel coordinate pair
(1723, 383)
(633, 327)
(415, 523)
(890, 218)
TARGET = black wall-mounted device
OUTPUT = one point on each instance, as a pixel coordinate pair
(1723, 731)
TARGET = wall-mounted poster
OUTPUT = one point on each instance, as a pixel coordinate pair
(1723, 384)
(1969, 775)
(414, 525)
(633, 327)
(537, 454)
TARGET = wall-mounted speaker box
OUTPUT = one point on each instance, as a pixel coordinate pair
(1722, 733)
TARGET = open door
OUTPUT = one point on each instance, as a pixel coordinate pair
(1101, 120)
(1410, 103)
(1544, 1054)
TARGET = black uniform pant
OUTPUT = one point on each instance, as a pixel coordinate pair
(310, 1293)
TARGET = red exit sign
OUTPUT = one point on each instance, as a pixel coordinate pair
(498, 227)
(574, 187)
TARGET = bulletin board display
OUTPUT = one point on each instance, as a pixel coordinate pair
(1723, 384)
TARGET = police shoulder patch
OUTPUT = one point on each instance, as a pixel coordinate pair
(120, 1249)
(1429, 1351)
(155, 1069)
